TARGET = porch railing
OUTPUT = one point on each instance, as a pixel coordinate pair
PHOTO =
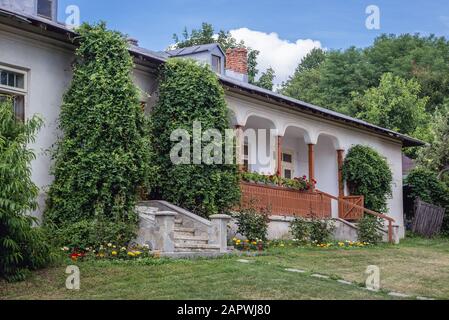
(343, 202)
(347, 210)
(286, 202)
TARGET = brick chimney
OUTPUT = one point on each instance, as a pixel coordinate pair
(237, 63)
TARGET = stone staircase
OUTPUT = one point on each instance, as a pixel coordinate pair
(187, 241)
(177, 232)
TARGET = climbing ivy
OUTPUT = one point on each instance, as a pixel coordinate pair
(22, 247)
(103, 155)
(367, 173)
(190, 92)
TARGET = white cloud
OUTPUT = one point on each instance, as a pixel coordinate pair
(282, 55)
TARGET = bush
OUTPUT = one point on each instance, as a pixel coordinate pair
(253, 223)
(103, 156)
(313, 231)
(369, 230)
(300, 229)
(367, 173)
(189, 93)
(424, 184)
(22, 247)
(320, 231)
(88, 233)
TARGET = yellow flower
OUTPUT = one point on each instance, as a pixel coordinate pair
(114, 253)
(137, 253)
(254, 243)
(123, 249)
(131, 254)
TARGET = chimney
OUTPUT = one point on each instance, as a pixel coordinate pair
(237, 64)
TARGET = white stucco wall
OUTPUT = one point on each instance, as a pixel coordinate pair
(49, 72)
(328, 136)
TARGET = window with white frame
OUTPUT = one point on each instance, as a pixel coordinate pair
(13, 87)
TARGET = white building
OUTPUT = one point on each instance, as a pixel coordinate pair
(36, 54)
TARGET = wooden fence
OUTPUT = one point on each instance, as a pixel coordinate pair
(428, 219)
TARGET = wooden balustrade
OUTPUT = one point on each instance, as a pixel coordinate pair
(365, 210)
(286, 202)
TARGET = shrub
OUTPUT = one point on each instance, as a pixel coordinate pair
(253, 223)
(320, 231)
(103, 156)
(22, 247)
(300, 229)
(189, 93)
(369, 230)
(88, 233)
(367, 173)
(424, 184)
(300, 184)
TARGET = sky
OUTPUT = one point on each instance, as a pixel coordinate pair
(284, 31)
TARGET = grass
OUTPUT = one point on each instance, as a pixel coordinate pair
(417, 267)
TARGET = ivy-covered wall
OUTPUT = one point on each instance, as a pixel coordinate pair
(191, 92)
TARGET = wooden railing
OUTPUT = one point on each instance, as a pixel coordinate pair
(286, 202)
(342, 201)
(347, 211)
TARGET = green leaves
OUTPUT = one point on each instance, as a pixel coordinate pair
(18, 198)
(103, 156)
(189, 92)
(367, 173)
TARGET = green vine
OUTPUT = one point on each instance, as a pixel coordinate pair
(103, 155)
(367, 173)
(189, 93)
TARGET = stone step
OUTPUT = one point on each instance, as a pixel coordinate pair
(189, 247)
(185, 237)
(182, 230)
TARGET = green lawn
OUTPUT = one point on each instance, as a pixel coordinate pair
(416, 267)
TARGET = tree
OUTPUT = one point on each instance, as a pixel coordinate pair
(436, 155)
(206, 35)
(394, 104)
(22, 247)
(205, 189)
(312, 60)
(266, 79)
(103, 156)
(424, 59)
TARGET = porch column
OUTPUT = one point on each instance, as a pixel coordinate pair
(239, 147)
(279, 156)
(311, 162)
(341, 184)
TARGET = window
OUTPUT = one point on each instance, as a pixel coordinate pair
(288, 165)
(13, 86)
(216, 64)
(45, 8)
(246, 167)
(12, 79)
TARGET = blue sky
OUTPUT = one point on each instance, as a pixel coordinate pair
(331, 24)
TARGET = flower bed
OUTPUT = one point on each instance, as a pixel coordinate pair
(246, 245)
(109, 252)
(300, 184)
